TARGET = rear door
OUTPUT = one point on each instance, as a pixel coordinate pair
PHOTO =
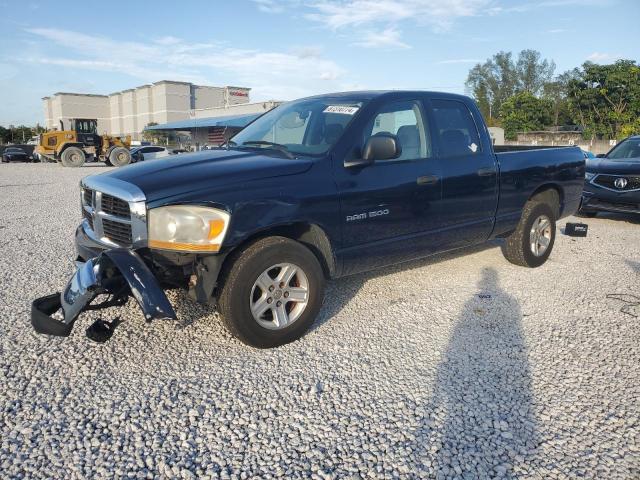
(469, 173)
(387, 205)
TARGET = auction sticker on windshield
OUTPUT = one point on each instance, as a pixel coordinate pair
(345, 109)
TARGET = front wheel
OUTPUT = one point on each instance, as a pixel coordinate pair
(272, 292)
(532, 242)
(72, 157)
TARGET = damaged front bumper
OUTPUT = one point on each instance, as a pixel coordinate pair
(118, 273)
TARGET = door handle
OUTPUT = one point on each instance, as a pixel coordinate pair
(427, 180)
(486, 172)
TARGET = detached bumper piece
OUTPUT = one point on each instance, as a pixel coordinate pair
(119, 273)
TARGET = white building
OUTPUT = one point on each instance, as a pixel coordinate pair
(129, 111)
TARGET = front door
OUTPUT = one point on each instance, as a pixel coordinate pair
(388, 206)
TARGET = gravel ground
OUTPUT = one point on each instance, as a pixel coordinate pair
(460, 366)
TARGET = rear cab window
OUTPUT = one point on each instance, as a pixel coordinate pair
(455, 128)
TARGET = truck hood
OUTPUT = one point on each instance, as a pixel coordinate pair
(176, 174)
(614, 167)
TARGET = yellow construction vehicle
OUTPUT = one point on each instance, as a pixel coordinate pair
(74, 146)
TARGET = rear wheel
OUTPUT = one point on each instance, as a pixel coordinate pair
(72, 157)
(272, 293)
(119, 157)
(532, 242)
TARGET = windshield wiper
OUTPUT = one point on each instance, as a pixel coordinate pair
(277, 146)
(228, 143)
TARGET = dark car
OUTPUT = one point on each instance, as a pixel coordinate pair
(14, 154)
(612, 181)
(317, 188)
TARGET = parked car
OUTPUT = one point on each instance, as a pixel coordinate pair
(587, 154)
(317, 188)
(612, 181)
(15, 154)
(148, 152)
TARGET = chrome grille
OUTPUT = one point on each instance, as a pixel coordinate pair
(88, 217)
(114, 212)
(115, 206)
(117, 231)
(609, 182)
(88, 196)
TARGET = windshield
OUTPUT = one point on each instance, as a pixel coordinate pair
(302, 127)
(628, 149)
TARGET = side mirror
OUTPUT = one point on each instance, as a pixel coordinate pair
(381, 146)
(601, 155)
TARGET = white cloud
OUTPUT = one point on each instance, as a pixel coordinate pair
(602, 57)
(270, 6)
(381, 17)
(351, 13)
(458, 60)
(388, 38)
(281, 75)
(557, 30)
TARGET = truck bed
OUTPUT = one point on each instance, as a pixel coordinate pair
(524, 169)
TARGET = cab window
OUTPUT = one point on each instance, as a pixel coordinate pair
(406, 121)
(456, 129)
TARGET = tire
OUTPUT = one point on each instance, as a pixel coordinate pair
(519, 247)
(72, 157)
(119, 157)
(241, 291)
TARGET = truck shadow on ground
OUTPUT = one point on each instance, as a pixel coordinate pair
(340, 291)
(480, 422)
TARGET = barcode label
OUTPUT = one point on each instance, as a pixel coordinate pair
(344, 109)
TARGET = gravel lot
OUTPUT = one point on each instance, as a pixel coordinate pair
(460, 366)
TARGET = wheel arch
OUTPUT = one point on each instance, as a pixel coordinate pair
(66, 145)
(311, 235)
(552, 194)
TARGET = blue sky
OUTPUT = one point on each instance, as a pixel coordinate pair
(290, 48)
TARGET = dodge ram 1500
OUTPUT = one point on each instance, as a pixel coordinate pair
(317, 188)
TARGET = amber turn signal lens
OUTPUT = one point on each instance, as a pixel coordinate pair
(215, 228)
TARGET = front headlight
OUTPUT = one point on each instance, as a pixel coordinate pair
(187, 228)
(589, 176)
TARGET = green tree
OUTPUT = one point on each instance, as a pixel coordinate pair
(4, 135)
(533, 71)
(606, 99)
(524, 112)
(557, 91)
(491, 83)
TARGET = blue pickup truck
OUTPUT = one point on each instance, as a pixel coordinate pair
(317, 188)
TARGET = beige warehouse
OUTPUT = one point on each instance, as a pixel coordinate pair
(129, 111)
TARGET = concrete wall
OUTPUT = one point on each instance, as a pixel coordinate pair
(557, 139)
(129, 111)
(65, 106)
(497, 135)
(206, 97)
